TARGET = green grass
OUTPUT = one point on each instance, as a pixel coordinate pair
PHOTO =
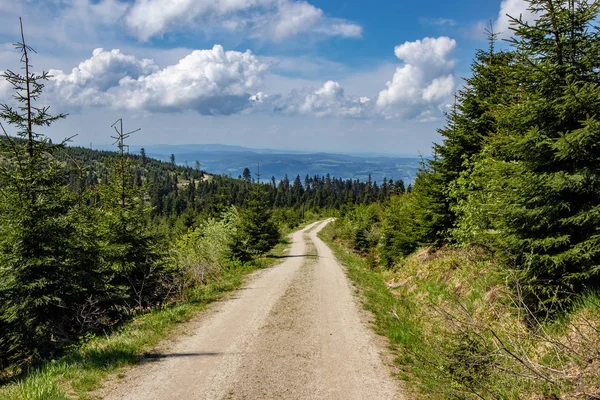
(431, 363)
(457, 331)
(83, 368)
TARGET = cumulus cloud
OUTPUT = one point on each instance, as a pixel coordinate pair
(515, 9)
(424, 82)
(329, 100)
(266, 19)
(210, 82)
(104, 69)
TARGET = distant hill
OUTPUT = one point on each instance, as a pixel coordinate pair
(174, 190)
(231, 160)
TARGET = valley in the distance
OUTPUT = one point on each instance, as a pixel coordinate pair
(231, 160)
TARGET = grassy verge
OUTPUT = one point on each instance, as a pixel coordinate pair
(83, 368)
(458, 330)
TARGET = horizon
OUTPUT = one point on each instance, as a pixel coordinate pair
(257, 150)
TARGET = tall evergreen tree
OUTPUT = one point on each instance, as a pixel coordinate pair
(131, 249)
(542, 167)
(50, 266)
(469, 123)
(257, 232)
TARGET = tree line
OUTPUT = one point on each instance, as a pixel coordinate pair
(174, 190)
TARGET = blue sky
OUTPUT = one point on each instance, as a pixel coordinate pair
(325, 75)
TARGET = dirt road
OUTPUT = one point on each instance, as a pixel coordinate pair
(293, 331)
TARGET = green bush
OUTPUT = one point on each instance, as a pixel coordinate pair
(204, 252)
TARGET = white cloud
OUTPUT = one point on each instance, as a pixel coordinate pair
(513, 8)
(428, 52)
(210, 82)
(329, 100)
(439, 21)
(343, 29)
(424, 82)
(104, 70)
(293, 18)
(266, 19)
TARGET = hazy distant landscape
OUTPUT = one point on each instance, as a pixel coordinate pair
(231, 160)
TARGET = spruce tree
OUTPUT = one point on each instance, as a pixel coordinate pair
(469, 123)
(50, 267)
(131, 249)
(257, 232)
(247, 175)
(542, 165)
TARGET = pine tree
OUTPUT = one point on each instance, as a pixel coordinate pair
(542, 166)
(257, 232)
(470, 122)
(132, 251)
(247, 175)
(49, 255)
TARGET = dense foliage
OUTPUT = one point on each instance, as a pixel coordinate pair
(517, 172)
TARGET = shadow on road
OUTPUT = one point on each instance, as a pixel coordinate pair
(158, 356)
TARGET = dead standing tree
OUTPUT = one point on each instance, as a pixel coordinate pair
(120, 142)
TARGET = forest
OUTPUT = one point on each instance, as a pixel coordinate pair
(497, 247)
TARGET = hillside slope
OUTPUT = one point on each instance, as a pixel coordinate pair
(460, 330)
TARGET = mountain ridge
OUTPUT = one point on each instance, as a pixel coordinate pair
(232, 160)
